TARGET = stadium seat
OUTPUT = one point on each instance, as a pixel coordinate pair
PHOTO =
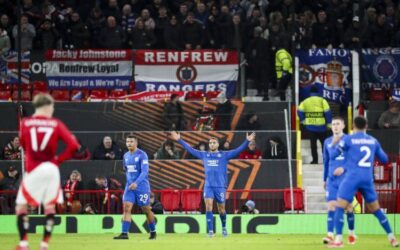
(79, 95)
(35, 92)
(191, 199)
(382, 172)
(194, 96)
(5, 95)
(40, 86)
(25, 95)
(170, 199)
(212, 94)
(298, 199)
(115, 93)
(24, 86)
(99, 94)
(6, 87)
(61, 95)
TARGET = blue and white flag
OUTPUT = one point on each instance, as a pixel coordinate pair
(329, 70)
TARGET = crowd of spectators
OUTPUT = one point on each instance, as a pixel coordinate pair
(190, 24)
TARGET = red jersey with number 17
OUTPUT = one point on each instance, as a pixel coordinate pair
(39, 138)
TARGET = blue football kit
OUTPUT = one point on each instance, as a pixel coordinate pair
(215, 169)
(136, 166)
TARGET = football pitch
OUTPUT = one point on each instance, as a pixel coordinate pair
(192, 242)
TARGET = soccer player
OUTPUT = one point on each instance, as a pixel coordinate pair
(216, 171)
(334, 173)
(39, 135)
(137, 188)
(359, 149)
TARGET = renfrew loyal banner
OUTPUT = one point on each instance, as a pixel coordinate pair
(88, 69)
(205, 70)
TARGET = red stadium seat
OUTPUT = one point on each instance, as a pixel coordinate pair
(212, 94)
(378, 94)
(40, 86)
(25, 86)
(5, 95)
(170, 199)
(25, 95)
(191, 199)
(79, 95)
(115, 93)
(195, 96)
(35, 92)
(4, 87)
(99, 94)
(61, 95)
(382, 172)
(298, 199)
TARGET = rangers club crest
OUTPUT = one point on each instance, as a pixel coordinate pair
(186, 74)
(385, 69)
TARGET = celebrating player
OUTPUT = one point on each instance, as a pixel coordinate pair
(333, 176)
(39, 136)
(359, 150)
(137, 189)
(215, 167)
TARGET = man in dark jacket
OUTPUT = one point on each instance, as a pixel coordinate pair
(141, 38)
(108, 150)
(323, 32)
(223, 112)
(381, 33)
(192, 33)
(77, 33)
(173, 114)
(250, 123)
(354, 37)
(275, 149)
(47, 36)
(112, 36)
(259, 55)
(172, 34)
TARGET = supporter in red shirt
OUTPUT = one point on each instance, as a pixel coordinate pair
(251, 153)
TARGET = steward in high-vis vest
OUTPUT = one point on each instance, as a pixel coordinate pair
(315, 114)
(284, 71)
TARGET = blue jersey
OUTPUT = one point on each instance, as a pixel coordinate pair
(360, 150)
(136, 166)
(332, 163)
(215, 163)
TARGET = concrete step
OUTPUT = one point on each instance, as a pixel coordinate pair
(313, 167)
(316, 206)
(316, 211)
(316, 199)
(313, 174)
(314, 189)
(313, 182)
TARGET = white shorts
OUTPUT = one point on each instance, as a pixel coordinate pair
(41, 186)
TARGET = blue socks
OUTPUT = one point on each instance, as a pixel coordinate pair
(125, 226)
(152, 226)
(330, 221)
(339, 220)
(350, 220)
(383, 220)
(210, 222)
(223, 219)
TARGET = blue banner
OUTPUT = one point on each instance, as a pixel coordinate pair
(329, 70)
(380, 68)
(9, 67)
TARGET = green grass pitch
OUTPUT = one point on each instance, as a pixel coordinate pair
(192, 242)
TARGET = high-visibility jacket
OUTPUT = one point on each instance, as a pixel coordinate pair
(315, 113)
(283, 62)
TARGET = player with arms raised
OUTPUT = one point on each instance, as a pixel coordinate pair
(360, 150)
(216, 172)
(334, 173)
(39, 135)
(137, 189)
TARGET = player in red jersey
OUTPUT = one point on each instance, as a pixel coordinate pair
(39, 135)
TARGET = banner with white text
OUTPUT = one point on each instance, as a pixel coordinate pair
(88, 69)
(329, 71)
(198, 70)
